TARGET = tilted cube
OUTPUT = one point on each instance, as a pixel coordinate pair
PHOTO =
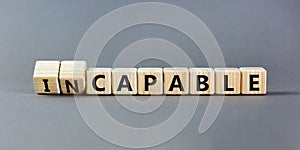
(72, 77)
(45, 77)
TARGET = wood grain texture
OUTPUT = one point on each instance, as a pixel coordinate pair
(124, 81)
(232, 75)
(198, 75)
(98, 81)
(146, 84)
(254, 80)
(170, 75)
(45, 77)
(72, 77)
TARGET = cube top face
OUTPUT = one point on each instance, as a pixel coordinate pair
(176, 81)
(100, 69)
(200, 69)
(227, 80)
(72, 77)
(98, 81)
(46, 68)
(124, 69)
(150, 69)
(45, 77)
(254, 80)
(124, 81)
(46, 63)
(252, 69)
(72, 69)
(176, 69)
(202, 81)
(73, 63)
(150, 81)
(226, 70)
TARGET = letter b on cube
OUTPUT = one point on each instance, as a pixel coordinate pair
(202, 81)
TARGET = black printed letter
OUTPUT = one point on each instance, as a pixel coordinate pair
(252, 82)
(226, 88)
(147, 83)
(206, 86)
(46, 85)
(94, 82)
(69, 84)
(173, 85)
(126, 85)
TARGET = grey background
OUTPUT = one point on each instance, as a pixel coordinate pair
(250, 33)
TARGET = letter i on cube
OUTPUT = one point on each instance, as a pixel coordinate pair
(72, 77)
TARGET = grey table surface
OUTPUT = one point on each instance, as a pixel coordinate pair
(250, 33)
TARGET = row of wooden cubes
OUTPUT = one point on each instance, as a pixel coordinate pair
(72, 77)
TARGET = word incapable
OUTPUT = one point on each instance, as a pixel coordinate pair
(72, 77)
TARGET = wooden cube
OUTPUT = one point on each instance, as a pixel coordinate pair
(227, 80)
(254, 80)
(176, 81)
(202, 81)
(72, 77)
(150, 81)
(45, 77)
(124, 81)
(98, 81)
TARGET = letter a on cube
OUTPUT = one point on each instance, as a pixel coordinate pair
(124, 81)
(176, 81)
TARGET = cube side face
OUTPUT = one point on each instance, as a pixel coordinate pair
(172, 77)
(101, 79)
(205, 75)
(72, 77)
(254, 80)
(146, 84)
(45, 77)
(227, 81)
(124, 81)
(46, 85)
(71, 85)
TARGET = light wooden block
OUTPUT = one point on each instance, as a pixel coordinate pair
(72, 77)
(150, 81)
(98, 81)
(227, 80)
(124, 81)
(254, 80)
(45, 77)
(202, 81)
(176, 81)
